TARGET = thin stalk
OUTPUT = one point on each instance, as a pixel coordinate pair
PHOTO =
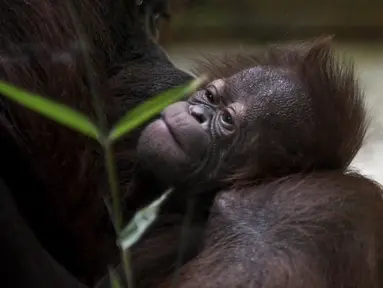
(113, 184)
(127, 267)
(108, 151)
(117, 214)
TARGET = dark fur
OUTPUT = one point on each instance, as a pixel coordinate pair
(319, 230)
(62, 197)
(25, 262)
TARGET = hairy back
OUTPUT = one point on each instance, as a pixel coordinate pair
(320, 230)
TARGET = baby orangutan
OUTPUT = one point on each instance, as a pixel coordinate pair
(270, 139)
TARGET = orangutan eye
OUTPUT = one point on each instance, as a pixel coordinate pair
(209, 96)
(227, 118)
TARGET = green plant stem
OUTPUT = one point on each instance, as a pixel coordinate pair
(108, 150)
(117, 214)
(126, 264)
(113, 184)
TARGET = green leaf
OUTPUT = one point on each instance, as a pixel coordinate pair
(114, 279)
(51, 109)
(140, 222)
(146, 110)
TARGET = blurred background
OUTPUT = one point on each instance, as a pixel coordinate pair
(200, 27)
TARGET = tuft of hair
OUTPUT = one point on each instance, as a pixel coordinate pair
(340, 118)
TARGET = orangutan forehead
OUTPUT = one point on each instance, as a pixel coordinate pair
(219, 84)
(262, 74)
(258, 81)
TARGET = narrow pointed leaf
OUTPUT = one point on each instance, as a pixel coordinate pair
(50, 109)
(149, 108)
(140, 222)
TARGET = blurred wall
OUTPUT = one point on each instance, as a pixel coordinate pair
(254, 20)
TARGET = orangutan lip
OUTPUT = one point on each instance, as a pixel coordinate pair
(174, 135)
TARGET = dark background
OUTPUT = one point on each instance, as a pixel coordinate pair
(270, 20)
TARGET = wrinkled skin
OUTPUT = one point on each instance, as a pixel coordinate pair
(267, 111)
(203, 136)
